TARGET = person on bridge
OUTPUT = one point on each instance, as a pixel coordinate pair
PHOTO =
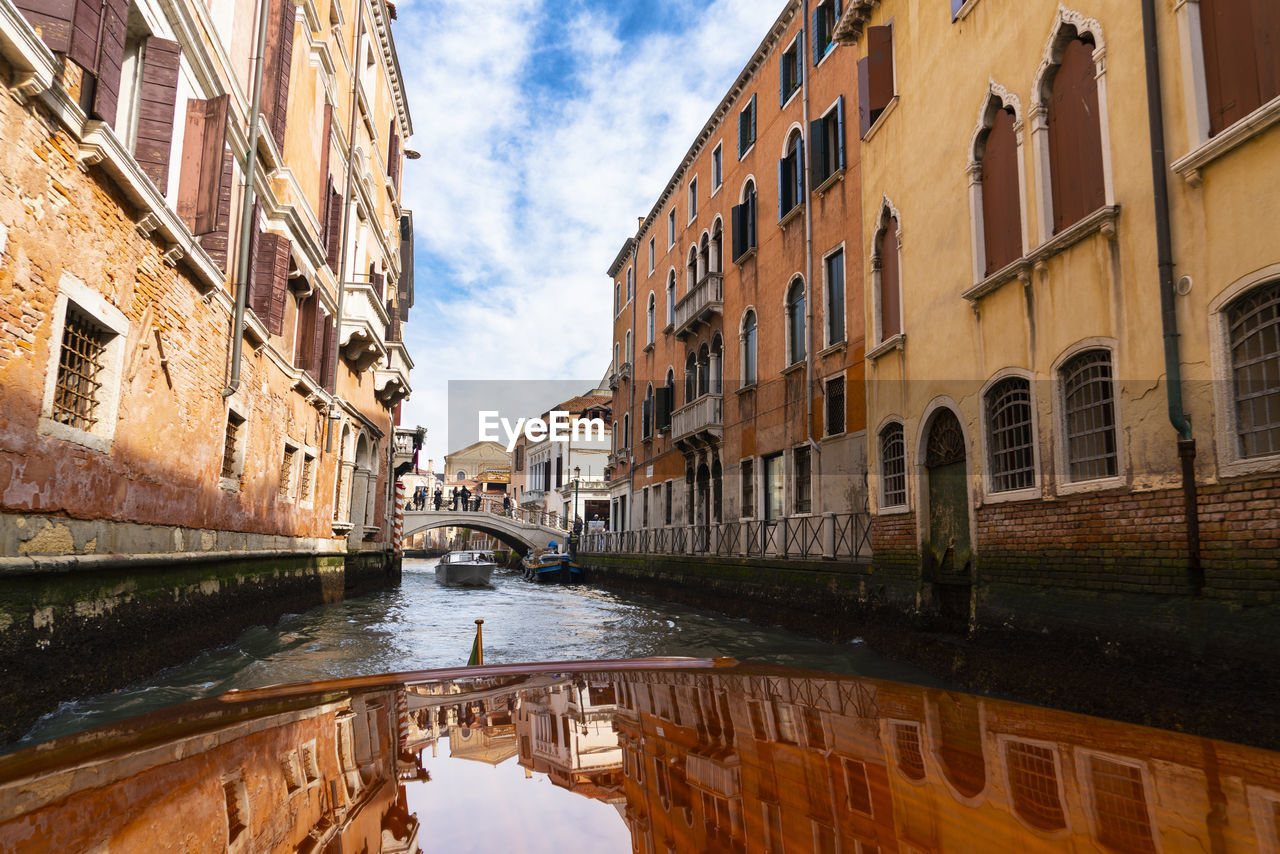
(439, 497)
(465, 495)
(453, 502)
(506, 505)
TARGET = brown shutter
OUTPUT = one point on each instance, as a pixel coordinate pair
(269, 280)
(393, 325)
(880, 69)
(203, 150)
(326, 142)
(215, 241)
(315, 363)
(305, 331)
(1240, 40)
(890, 286)
(106, 95)
(86, 28)
(334, 232)
(393, 157)
(52, 19)
(275, 75)
(1266, 48)
(157, 94)
(379, 282)
(1001, 200)
(327, 365)
(1075, 138)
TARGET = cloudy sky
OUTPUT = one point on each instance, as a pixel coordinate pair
(545, 127)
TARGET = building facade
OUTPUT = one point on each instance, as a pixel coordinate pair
(560, 482)
(738, 334)
(196, 366)
(1074, 372)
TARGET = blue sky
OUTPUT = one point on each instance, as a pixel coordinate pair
(545, 129)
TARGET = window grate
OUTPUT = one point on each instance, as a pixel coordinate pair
(1033, 778)
(1123, 821)
(230, 447)
(308, 477)
(1009, 426)
(906, 738)
(804, 500)
(286, 471)
(893, 466)
(84, 346)
(1254, 321)
(857, 786)
(748, 489)
(834, 406)
(1089, 398)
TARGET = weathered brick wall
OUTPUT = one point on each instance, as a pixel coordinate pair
(164, 463)
(895, 555)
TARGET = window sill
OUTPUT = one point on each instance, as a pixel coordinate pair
(666, 330)
(1238, 134)
(746, 151)
(65, 432)
(881, 119)
(895, 510)
(830, 181)
(787, 99)
(1102, 220)
(832, 349)
(1017, 269)
(833, 436)
(828, 51)
(963, 11)
(716, 190)
(648, 348)
(792, 368)
(1244, 466)
(896, 342)
(749, 387)
(1032, 493)
(1101, 484)
(787, 217)
(745, 256)
(230, 484)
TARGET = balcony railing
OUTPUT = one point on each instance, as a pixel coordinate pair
(705, 415)
(831, 536)
(698, 306)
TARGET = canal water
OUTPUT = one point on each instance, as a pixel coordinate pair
(421, 625)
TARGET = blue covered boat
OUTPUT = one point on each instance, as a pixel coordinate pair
(552, 567)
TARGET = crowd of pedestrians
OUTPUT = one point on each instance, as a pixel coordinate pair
(459, 500)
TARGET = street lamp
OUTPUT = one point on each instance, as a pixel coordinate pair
(577, 477)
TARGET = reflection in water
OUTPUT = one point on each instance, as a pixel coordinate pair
(675, 755)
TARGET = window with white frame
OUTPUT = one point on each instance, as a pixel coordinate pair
(1010, 440)
(791, 175)
(790, 70)
(801, 473)
(1253, 328)
(235, 438)
(82, 386)
(747, 471)
(1120, 806)
(307, 478)
(826, 144)
(288, 465)
(795, 323)
(747, 127)
(617, 298)
(893, 466)
(825, 16)
(717, 166)
(833, 267)
(671, 298)
(1089, 415)
(627, 339)
(833, 405)
(1034, 785)
(630, 284)
(749, 348)
(693, 198)
(653, 254)
(1240, 39)
(671, 228)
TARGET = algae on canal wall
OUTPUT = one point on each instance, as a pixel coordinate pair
(76, 627)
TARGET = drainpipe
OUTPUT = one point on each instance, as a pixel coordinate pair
(808, 263)
(1168, 311)
(335, 413)
(631, 466)
(246, 205)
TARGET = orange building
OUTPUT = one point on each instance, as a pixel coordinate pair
(738, 332)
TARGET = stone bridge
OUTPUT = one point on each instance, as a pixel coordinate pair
(520, 533)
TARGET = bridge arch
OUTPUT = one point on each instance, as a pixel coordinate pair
(521, 536)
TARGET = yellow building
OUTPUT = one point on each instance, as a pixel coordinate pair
(1027, 435)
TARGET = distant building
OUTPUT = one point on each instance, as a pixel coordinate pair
(566, 480)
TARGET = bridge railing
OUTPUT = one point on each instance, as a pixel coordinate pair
(496, 507)
(831, 536)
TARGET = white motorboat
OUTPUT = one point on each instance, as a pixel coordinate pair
(465, 569)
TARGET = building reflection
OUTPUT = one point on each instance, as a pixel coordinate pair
(737, 759)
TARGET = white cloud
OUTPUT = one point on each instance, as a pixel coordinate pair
(525, 193)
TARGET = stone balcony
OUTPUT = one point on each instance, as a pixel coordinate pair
(391, 383)
(364, 324)
(700, 305)
(700, 422)
(407, 443)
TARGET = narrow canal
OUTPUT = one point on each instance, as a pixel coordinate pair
(421, 625)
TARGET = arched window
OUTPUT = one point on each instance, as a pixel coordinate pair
(691, 270)
(1240, 39)
(704, 257)
(1089, 415)
(617, 362)
(646, 414)
(626, 429)
(791, 175)
(893, 467)
(704, 370)
(717, 364)
(460, 475)
(617, 297)
(628, 347)
(749, 348)
(649, 319)
(744, 222)
(1253, 323)
(888, 284)
(1033, 783)
(1075, 136)
(996, 153)
(716, 258)
(795, 323)
(690, 377)
(671, 298)
(1010, 448)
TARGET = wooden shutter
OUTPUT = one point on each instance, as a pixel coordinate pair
(326, 143)
(736, 220)
(275, 75)
(814, 32)
(215, 241)
(880, 69)
(106, 94)
(270, 280)
(890, 286)
(52, 19)
(379, 281)
(752, 203)
(840, 163)
(304, 343)
(1242, 72)
(1001, 198)
(201, 173)
(86, 30)
(1075, 138)
(864, 96)
(817, 151)
(664, 395)
(334, 234)
(157, 95)
(1266, 48)
(393, 157)
(327, 354)
(742, 135)
(782, 187)
(393, 321)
